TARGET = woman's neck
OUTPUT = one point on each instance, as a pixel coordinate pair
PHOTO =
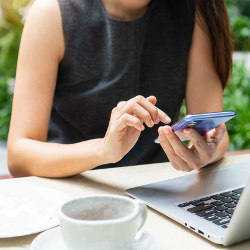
(126, 9)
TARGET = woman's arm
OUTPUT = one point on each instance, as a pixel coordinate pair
(41, 50)
(29, 153)
(204, 93)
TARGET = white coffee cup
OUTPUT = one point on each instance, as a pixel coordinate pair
(101, 222)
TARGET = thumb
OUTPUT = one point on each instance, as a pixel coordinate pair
(220, 131)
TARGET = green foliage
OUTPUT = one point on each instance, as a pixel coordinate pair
(239, 14)
(241, 32)
(9, 45)
(5, 111)
(10, 35)
(242, 5)
(237, 98)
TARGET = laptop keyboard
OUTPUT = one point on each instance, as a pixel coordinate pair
(217, 208)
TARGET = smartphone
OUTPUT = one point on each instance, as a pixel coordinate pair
(202, 122)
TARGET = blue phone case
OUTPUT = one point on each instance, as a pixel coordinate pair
(202, 122)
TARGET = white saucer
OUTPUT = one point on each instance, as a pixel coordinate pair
(52, 239)
(27, 208)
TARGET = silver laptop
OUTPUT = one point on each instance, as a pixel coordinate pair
(214, 204)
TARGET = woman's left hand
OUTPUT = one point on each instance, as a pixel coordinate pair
(201, 151)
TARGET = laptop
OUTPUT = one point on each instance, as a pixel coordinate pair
(214, 204)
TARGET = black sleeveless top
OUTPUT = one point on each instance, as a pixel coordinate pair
(109, 60)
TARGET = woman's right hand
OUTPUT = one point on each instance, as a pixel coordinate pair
(126, 125)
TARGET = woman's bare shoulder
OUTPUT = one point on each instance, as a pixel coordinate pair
(44, 22)
(47, 6)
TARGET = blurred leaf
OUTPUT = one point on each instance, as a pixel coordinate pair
(9, 46)
(5, 108)
(237, 98)
(10, 35)
(239, 14)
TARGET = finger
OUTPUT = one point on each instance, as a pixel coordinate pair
(163, 117)
(137, 110)
(129, 120)
(215, 135)
(209, 137)
(147, 105)
(152, 99)
(175, 160)
(121, 104)
(164, 146)
(199, 143)
(181, 150)
(220, 132)
(156, 114)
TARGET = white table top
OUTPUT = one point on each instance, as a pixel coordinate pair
(167, 232)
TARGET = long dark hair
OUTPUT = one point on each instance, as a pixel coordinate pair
(212, 16)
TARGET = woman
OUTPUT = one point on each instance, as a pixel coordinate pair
(81, 59)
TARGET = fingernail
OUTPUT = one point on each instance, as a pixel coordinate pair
(152, 123)
(166, 130)
(167, 119)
